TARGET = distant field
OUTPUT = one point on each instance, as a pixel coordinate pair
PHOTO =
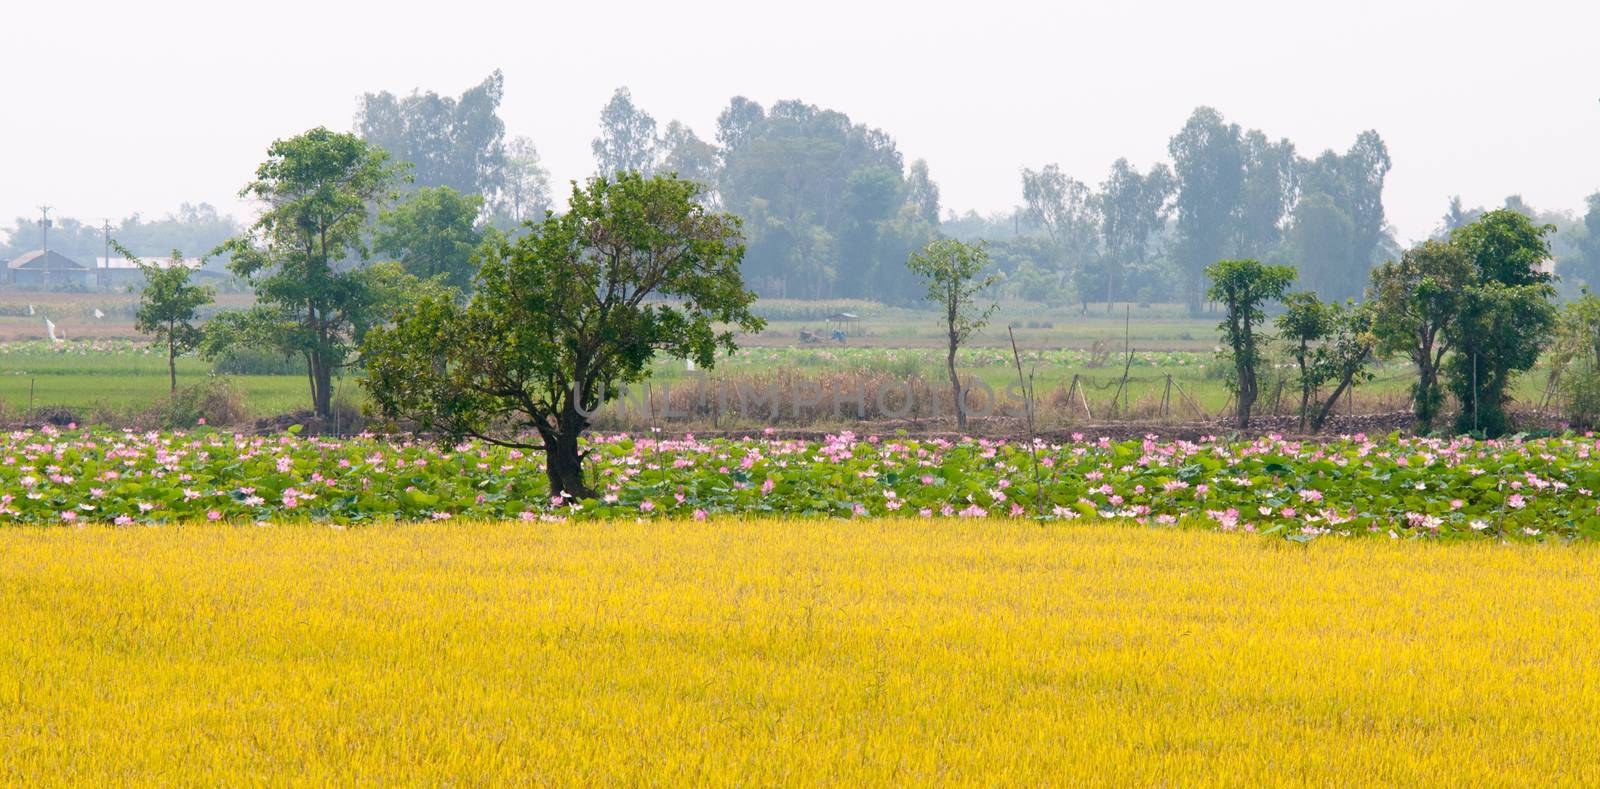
(768, 652)
(94, 373)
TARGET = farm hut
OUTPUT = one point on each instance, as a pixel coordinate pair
(47, 269)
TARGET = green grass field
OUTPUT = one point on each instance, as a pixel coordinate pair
(100, 373)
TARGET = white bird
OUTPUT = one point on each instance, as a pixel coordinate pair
(30, 309)
(50, 325)
(98, 313)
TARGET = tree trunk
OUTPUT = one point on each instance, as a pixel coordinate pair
(955, 384)
(1321, 417)
(1424, 406)
(172, 361)
(563, 461)
(321, 372)
(1247, 398)
(1305, 385)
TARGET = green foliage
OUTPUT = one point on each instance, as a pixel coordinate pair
(320, 189)
(1209, 169)
(1418, 303)
(563, 316)
(1304, 323)
(1584, 261)
(1345, 353)
(1322, 243)
(168, 308)
(1242, 287)
(627, 141)
(1505, 318)
(1574, 360)
(1133, 207)
(787, 173)
(434, 233)
(1383, 487)
(215, 401)
(1067, 210)
(1345, 195)
(952, 271)
(454, 142)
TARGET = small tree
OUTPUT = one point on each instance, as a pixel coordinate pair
(1417, 301)
(952, 269)
(564, 315)
(168, 307)
(1346, 351)
(1242, 287)
(1304, 323)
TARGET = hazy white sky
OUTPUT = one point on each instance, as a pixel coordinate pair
(119, 107)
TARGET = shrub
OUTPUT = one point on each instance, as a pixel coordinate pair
(242, 360)
(216, 400)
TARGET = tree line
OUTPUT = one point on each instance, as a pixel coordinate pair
(830, 207)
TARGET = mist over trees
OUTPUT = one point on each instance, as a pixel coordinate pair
(191, 227)
(831, 207)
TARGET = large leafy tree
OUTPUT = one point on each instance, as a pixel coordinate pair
(788, 174)
(168, 307)
(1133, 207)
(565, 315)
(434, 233)
(1322, 244)
(1267, 191)
(1340, 226)
(318, 191)
(1243, 288)
(628, 140)
(1069, 213)
(1418, 301)
(956, 274)
(1209, 167)
(449, 141)
(1506, 317)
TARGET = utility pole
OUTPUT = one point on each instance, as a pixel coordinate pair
(44, 230)
(105, 262)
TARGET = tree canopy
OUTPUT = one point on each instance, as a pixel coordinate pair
(563, 316)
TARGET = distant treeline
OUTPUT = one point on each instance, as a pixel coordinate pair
(831, 209)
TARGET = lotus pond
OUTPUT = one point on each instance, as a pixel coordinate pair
(1528, 489)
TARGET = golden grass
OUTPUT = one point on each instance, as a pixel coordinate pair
(893, 652)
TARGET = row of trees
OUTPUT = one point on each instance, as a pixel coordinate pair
(1229, 193)
(828, 205)
(1470, 311)
(564, 313)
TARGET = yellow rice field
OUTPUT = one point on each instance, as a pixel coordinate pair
(893, 652)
